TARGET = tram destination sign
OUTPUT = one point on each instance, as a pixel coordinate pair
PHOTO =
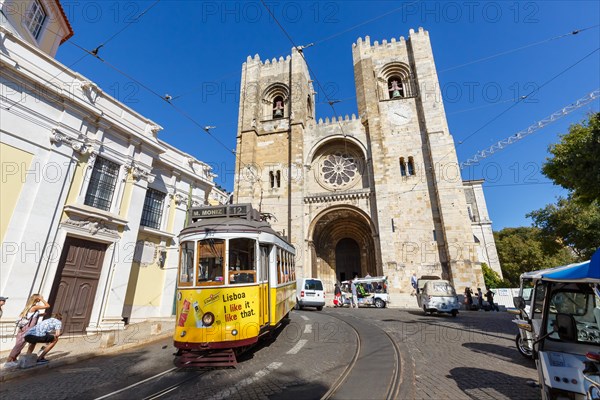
(231, 210)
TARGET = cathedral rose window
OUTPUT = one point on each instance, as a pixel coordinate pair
(339, 169)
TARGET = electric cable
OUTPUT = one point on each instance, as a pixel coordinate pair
(572, 33)
(520, 99)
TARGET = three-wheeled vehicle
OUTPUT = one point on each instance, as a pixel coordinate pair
(372, 291)
(564, 319)
(437, 295)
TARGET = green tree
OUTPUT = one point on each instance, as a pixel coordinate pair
(570, 223)
(523, 249)
(492, 279)
(575, 160)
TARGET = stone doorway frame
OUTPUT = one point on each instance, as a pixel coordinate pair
(360, 228)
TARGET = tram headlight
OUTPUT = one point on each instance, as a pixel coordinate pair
(208, 319)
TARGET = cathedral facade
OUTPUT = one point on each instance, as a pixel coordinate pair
(379, 193)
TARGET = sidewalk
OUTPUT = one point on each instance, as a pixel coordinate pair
(72, 349)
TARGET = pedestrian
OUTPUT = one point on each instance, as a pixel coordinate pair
(354, 294)
(480, 298)
(413, 283)
(2, 302)
(27, 319)
(490, 299)
(469, 296)
(337, 292)
(47, 332)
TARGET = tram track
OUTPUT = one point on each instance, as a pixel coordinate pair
(395, 381)
(147, 382)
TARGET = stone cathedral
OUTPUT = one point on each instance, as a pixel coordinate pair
(379, 193)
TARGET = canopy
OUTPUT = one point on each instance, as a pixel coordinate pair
(587, 271)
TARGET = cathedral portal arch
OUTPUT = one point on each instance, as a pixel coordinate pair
(343, 243)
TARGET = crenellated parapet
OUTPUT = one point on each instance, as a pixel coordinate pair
(346, 120)
(347, 126)
(274, 62)
(365, 47)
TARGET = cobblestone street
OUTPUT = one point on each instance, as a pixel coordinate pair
(472, 356)
(469, 357)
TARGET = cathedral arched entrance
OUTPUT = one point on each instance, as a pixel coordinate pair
(343, 246)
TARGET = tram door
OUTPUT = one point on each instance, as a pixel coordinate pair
(264, 285)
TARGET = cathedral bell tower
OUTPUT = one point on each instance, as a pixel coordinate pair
(422, 211)
(276, 103)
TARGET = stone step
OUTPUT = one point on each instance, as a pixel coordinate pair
(402, 300)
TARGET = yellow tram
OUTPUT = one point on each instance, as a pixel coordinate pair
(236, 281)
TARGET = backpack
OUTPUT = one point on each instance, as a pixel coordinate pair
(23, 322)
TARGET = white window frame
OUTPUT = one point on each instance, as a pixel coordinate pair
(31, 21)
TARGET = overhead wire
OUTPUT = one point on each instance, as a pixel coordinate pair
(73, 43)
(571, 33)
(312, 73)
(502, 53)
(395, 10)
(93, 53)
(329, 100)
(520, 99)
(318, 42)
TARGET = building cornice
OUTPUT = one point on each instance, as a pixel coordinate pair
(83, 95)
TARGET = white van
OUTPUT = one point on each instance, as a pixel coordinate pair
(310, 293)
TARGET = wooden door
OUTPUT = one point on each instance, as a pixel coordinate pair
(76, 282)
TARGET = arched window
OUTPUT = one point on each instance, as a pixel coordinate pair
(309, 106)
(275, 101)
(275, 179)
(395, 87)
(402, 166)
(396, 81)
(278, 107)
(411, 166)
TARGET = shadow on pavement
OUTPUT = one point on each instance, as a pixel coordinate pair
(502, 352)
(479, 383)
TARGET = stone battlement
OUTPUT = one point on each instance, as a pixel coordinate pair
(365, 44)
(267, 62)
(346, 119)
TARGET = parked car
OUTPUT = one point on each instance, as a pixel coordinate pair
(310, 293)
(438, 296)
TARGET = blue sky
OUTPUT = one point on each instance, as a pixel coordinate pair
(194, 50)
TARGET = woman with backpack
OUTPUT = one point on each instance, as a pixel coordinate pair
(27, 319)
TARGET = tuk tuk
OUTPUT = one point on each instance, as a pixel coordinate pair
(564, 322)
(439, 296)
(371, 291)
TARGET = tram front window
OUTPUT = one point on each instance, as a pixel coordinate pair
(210, 262)
(242, 261)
